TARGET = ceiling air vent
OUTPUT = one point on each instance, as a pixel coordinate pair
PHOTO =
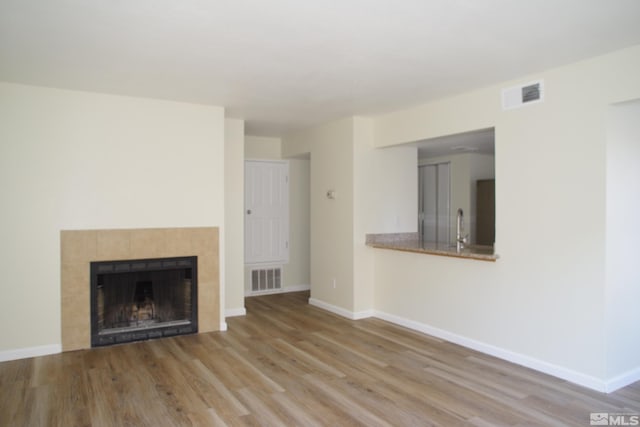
(518, 96)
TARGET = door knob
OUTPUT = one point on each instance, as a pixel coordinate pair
(248, 211)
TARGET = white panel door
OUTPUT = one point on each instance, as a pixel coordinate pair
(266, 216)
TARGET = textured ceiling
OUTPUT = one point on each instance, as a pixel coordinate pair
(286, 64)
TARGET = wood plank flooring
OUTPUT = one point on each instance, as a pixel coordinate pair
(287, 363)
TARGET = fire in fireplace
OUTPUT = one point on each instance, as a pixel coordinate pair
(136, 300)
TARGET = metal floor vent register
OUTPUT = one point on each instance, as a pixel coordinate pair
(266, 279)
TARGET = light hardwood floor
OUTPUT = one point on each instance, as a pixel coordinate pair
(287, 363)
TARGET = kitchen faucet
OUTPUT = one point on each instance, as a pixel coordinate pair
(460, 239)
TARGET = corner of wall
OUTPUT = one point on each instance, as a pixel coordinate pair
(233, 295)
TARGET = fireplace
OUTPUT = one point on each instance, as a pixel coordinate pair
(133, 300)
(79, 248)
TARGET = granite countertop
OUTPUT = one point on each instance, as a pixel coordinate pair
(410, 242)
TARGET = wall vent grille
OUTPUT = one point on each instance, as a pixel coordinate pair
(266, 279)
(521, 95)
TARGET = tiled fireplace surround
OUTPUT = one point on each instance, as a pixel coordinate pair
(80, 247)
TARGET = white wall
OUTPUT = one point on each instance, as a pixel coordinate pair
(296, 273)
(385, 183)
(77, 160)
(331, 238)
(623, 233)
(384, 201)
(542, 301)
(234, 216)
(262, 147)
(375, 193)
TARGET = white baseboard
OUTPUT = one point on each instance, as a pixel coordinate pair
(23, 353)
(223, 326)
(297, 288)
(623, 380)
(363, 314)
(588, 381)
(517, 358)
(233, 312)
(340, 311)
(293, 288)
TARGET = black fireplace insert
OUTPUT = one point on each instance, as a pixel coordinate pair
(136, 300)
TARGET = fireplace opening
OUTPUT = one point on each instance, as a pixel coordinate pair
(136, 300)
